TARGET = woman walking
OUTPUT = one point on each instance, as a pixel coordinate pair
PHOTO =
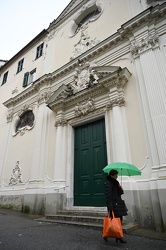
(113, 198)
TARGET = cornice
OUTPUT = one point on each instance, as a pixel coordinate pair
(31, 91)
(71, 101)
(119, 78)
(19, 98)
(65, 14)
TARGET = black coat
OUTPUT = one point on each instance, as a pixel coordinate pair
(113, 197)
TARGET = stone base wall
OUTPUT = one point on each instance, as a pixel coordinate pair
(55, 202)
(35, 203)
(11, 201)
(146, 205)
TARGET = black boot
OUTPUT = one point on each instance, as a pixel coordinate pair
(121, 240)
(105, 238)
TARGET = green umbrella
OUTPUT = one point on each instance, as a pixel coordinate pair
(123, 168)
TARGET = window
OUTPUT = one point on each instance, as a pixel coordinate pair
(20, 65)
(26, 119)
(32, 75)
(5, 78)
(88, 17)
(29, 77)
(39, 51)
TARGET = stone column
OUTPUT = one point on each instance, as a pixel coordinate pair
(117, 117)
(149, 63)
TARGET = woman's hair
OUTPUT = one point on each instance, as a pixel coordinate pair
(113, 172)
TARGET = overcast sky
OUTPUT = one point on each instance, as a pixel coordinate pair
(22, 20)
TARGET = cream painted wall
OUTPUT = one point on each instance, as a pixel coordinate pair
(63, 46)
(20, 149)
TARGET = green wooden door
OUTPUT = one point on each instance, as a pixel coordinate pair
(89, 159)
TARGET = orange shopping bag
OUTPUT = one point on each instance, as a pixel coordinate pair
(112, 228)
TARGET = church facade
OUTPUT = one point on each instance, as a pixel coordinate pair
(87, 91)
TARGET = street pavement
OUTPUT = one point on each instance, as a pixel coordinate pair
(22, 232)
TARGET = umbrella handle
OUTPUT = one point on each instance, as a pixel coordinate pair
(121, 178)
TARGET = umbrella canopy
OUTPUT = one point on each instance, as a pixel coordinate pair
(123, 168)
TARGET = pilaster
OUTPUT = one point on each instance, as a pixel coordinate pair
(4, 151)
(60, 148)
(39, 157)
(151, 77)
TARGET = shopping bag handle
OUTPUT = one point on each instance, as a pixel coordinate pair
(113, 215)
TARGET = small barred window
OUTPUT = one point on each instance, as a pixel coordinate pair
(26, 119)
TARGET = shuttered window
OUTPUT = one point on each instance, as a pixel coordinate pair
(20, 65)
(25, 80)
(29, 77)
(5, 78)
(39, 50)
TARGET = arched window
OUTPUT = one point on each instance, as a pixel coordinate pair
(26, 119)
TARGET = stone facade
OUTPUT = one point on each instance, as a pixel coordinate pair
(99, 59)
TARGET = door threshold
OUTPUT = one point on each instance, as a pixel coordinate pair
(82, 208)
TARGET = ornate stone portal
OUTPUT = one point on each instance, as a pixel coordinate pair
(90, 83)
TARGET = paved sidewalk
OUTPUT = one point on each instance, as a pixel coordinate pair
(138, 232)
(20, 231)
(149, 234)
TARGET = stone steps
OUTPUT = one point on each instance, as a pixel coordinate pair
(85, 218)
(76, 218)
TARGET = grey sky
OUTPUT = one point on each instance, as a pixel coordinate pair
(22, 20)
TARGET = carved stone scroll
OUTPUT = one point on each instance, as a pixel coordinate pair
(16, 176)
